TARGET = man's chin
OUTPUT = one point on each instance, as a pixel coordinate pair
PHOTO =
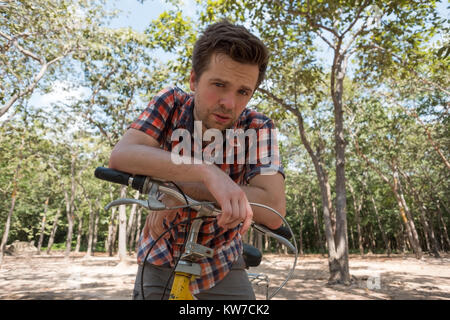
(219, 126)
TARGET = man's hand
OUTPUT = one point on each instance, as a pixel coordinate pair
(154, 221)
(231, 198)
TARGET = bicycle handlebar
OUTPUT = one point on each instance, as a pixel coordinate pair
(143, 185)
(137, 182)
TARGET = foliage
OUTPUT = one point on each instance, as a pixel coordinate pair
(395, 107)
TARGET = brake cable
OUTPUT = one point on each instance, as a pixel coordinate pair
(295, 246)
(289, 276)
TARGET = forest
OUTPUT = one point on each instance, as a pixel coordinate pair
(358, 89)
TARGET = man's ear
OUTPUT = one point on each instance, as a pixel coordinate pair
(193, 80)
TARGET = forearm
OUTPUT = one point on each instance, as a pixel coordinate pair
(198, 191)
(155, 162)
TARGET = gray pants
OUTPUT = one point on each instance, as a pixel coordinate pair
(235, 285)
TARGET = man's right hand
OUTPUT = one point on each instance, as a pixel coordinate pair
(231, 198)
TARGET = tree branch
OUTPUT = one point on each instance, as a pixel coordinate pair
(285, 105)
(369, 163)
(32, 86)
(21, 49)
(325, 39)
(430, 139)
(363, 6)
(310, 21)
(403, 63)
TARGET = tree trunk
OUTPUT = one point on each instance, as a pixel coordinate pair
(13, 202)
(401, 239)
(131, 223)
(357, 207)
(52, 235)
(250, 237)
(319, 243)
(7, 226)
(96, 221)
(115, 229)
(339, 267)
(380, 226)
(443, 228)
(69, 232)
(131, 235)
(70, 208)
(335, 228)
(109, 246)
(79, 233)
(138, 231)
(398, 194)
(428, 228)
(90, 229)
(430, 238)
(352, 239)
(407, 218)
(371, 239)
(259, 241)
(377, 216)
(41, 236)
(300, 238)
(266, 243)
(414, 245)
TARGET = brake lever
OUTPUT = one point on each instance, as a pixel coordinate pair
(151, 203)
(266, 231)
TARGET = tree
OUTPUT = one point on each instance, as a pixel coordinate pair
(393, 97)
(346, 28)
(35, 37)
(120, 71)
(20, 158)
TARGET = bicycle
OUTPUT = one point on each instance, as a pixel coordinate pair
(187, 267)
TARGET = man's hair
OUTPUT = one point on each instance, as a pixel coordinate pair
(233, 40)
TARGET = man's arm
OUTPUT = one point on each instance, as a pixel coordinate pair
(139, 153)
(265, 189)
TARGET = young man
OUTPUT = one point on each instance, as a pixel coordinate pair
(229, 64)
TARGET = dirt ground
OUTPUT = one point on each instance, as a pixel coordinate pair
(100, 277)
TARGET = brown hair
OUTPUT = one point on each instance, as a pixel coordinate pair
(233, 40)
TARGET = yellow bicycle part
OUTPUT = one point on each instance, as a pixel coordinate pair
(180, 288)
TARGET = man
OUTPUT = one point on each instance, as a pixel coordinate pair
(229, 64)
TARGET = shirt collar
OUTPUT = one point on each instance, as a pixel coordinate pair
(186, 119)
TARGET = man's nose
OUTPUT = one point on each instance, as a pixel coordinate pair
(228, 102)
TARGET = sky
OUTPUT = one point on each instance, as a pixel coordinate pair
(137, 16)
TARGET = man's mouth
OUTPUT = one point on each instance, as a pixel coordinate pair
(221, 118)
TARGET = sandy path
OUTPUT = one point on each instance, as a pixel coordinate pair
(100, 277)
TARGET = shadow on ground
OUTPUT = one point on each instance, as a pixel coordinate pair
(102, 278)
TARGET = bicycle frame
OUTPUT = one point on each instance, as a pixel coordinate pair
(187, 268)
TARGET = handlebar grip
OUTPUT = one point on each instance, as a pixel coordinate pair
(120, 177)
(112, 175)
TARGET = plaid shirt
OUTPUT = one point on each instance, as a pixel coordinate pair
(172, 109)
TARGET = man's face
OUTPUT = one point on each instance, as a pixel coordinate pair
(223, 91)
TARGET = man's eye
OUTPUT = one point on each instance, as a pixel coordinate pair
(218, 84)
(243, 92)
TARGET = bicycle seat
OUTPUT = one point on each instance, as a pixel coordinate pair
(252, 256)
